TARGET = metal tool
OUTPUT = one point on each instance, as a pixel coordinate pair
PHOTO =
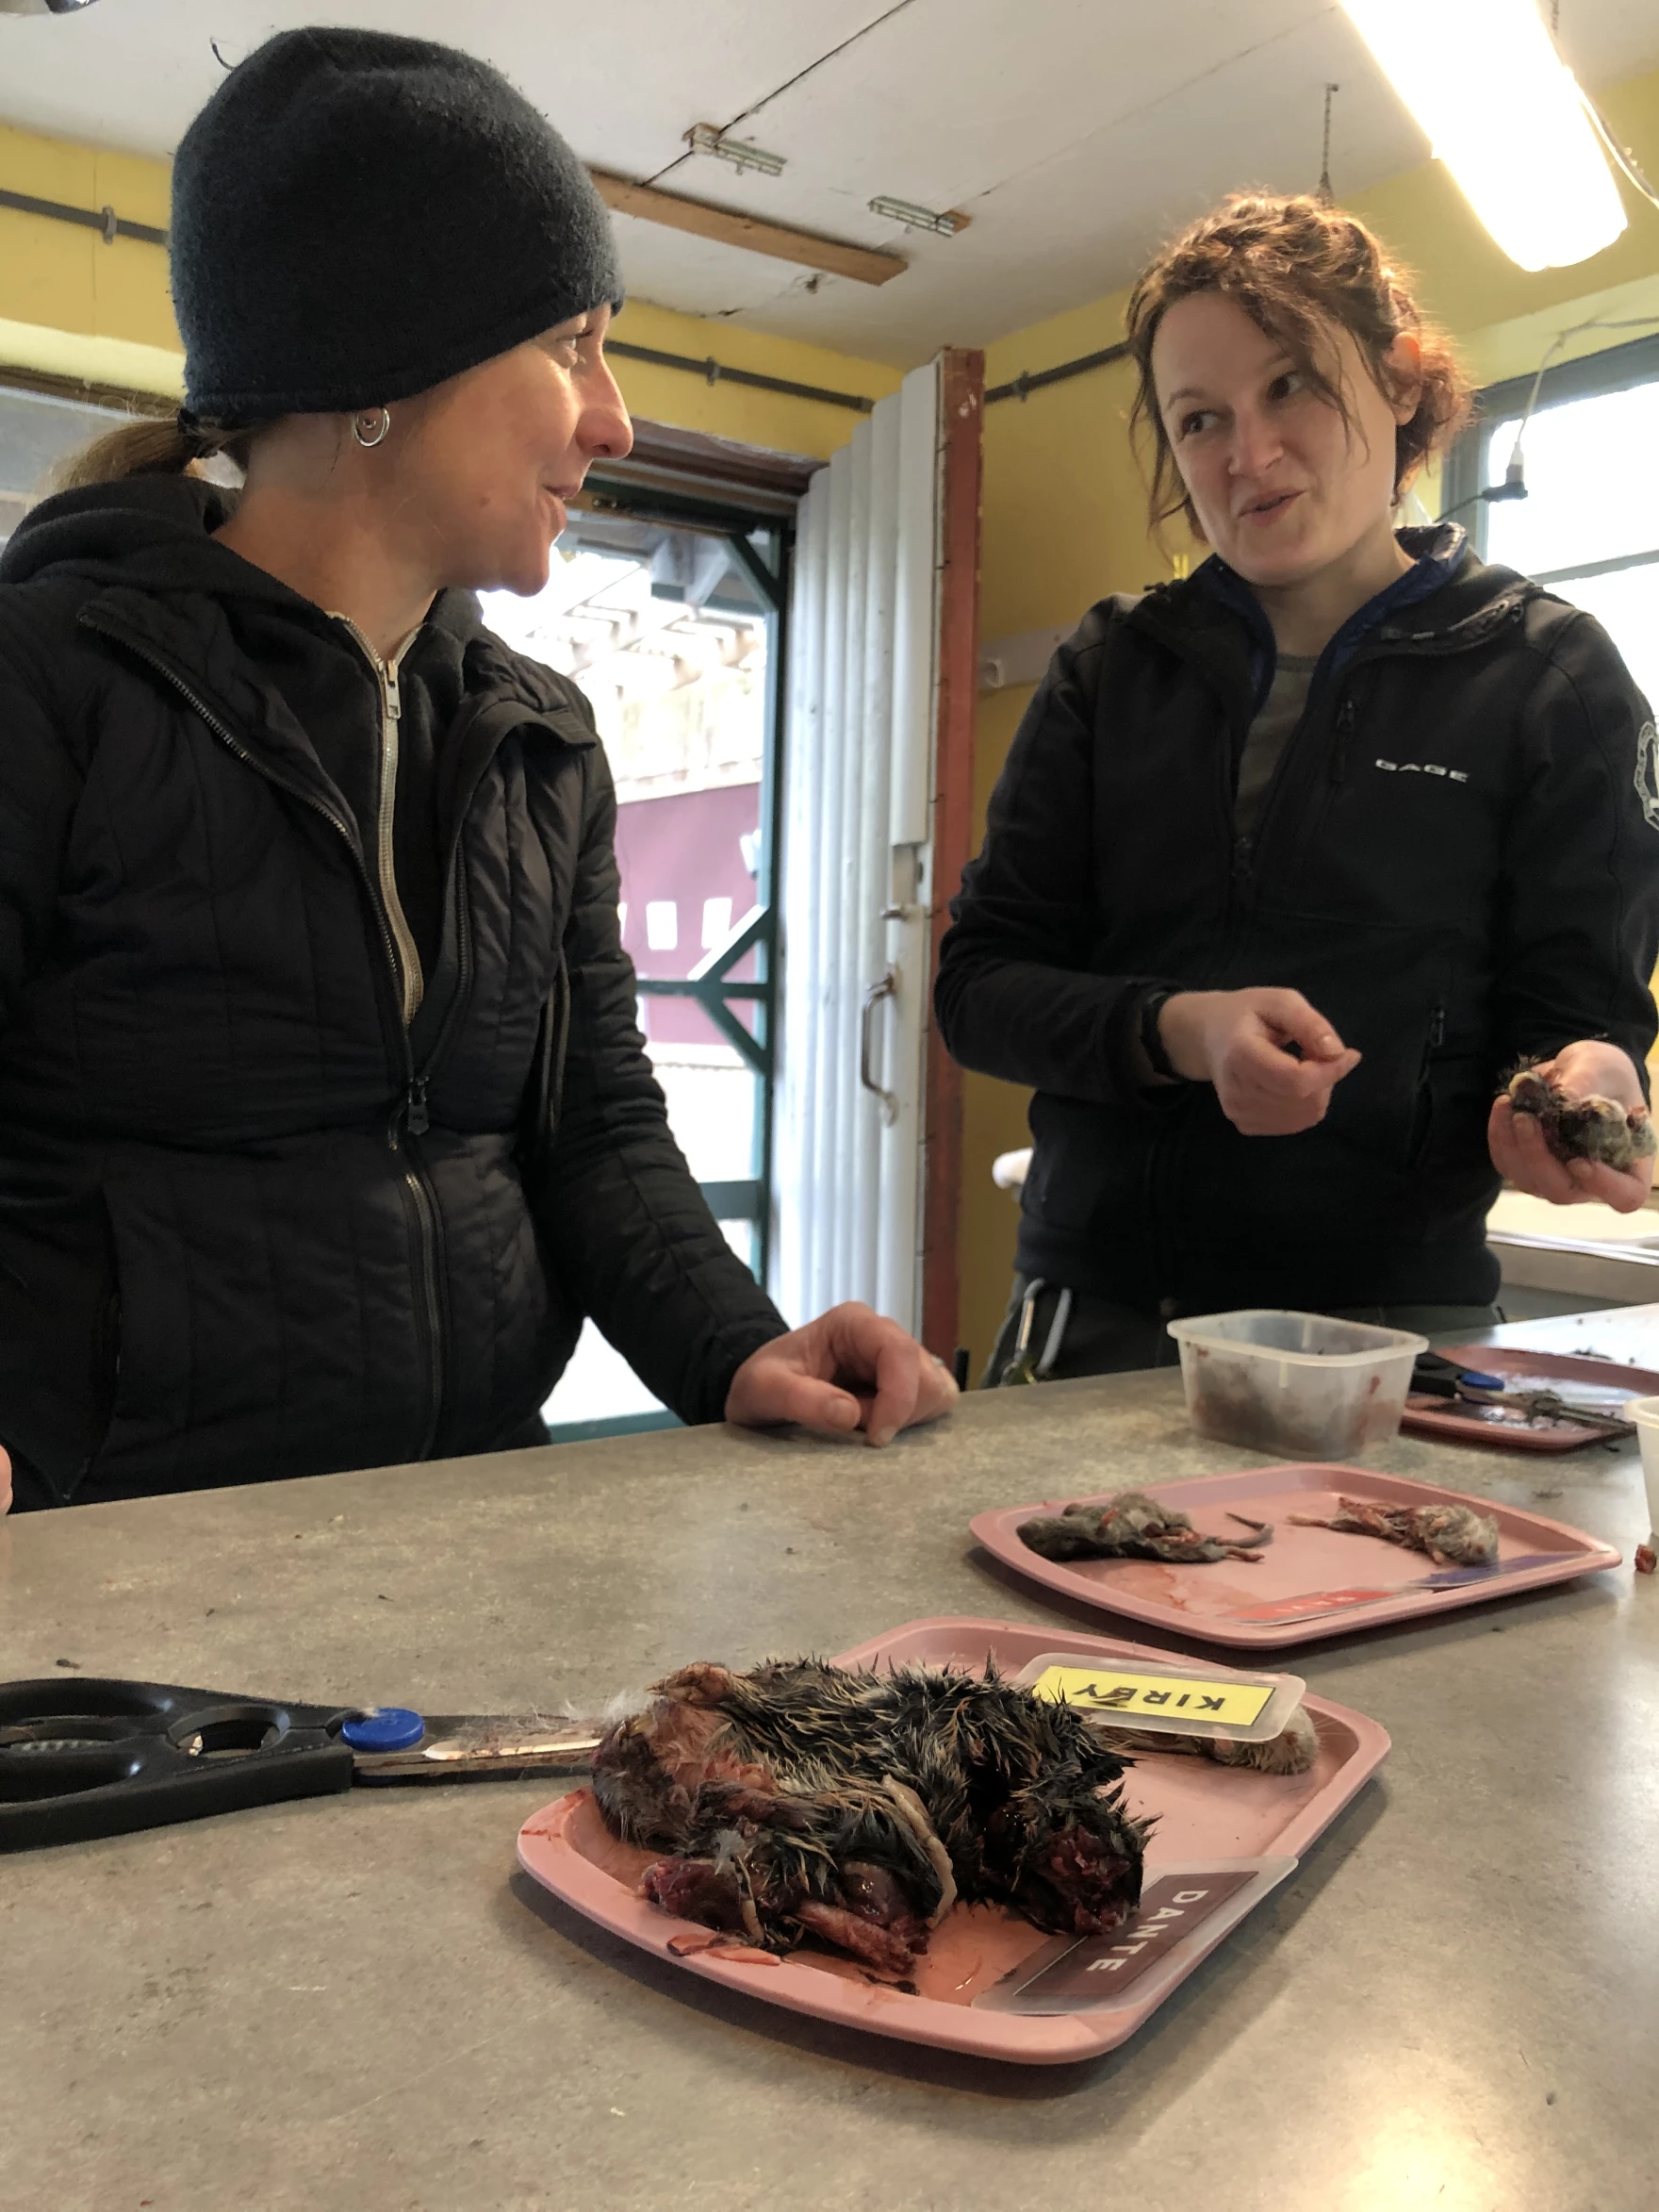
(1023, 1366)
(90, 1758)
(1434, 1376)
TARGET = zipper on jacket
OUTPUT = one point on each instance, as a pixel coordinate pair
(1423, 1103)
(422, 1206)
(410, 1114)
(1341, 733)
(391, 713)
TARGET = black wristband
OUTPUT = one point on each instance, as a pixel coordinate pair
(1151, 1043)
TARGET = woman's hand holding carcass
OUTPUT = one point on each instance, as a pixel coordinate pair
(1521, 1153)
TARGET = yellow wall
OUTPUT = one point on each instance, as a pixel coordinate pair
(71, 305)
(1065, 510)
(1064, 502)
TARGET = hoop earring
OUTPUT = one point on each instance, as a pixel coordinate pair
(382, 419)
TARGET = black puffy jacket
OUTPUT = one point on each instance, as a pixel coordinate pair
(252, 1225)
(1457, 862)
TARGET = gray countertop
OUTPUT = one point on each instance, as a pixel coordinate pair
(358, 2003)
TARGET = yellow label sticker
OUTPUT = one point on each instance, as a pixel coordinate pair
(1110, 1690)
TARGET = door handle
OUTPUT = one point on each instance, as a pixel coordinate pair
(886, 988)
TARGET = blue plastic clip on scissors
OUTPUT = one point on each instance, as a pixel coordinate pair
(93, 1757)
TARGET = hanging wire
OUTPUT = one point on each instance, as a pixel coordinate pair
(1619, 154)
(1326, 197)
(1517, 457)
(1515, 484)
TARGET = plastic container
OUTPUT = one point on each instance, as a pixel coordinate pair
(1645, 1413)
(1299, 1385)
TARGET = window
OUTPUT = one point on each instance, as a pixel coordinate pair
(1588, 527)
(38, 431)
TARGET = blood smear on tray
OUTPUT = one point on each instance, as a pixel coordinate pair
(1310, 1602)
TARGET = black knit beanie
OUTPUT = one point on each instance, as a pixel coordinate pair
(357, 217)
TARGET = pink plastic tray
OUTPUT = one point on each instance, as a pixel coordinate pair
(1309, 1582)
(1207, 1814)
(1601, 1385)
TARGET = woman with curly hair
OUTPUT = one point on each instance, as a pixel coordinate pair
(1291, 859)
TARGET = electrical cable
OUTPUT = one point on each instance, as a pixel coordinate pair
(1620, 155)
(766, 98)
(1514, 484)
(1323, 192)
(1517, 457)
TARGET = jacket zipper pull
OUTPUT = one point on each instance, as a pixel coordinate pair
(1438, 1029)
(1344, 730)
(416, 1119)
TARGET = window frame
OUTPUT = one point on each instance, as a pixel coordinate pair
(1615, 368)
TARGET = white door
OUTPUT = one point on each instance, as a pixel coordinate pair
(858, 765)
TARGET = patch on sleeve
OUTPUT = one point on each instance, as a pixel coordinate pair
(1648, 772)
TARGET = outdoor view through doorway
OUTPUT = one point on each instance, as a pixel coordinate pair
(670, 636)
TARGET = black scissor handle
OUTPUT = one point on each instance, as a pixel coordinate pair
(95, 1757)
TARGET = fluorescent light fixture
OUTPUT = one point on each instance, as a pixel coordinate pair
(1505, 116)
(915, 217)
(708, 138)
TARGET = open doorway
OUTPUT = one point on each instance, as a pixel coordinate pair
(666, 606)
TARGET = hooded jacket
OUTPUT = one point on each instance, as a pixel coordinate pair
(253, 1221)
(1456, 861)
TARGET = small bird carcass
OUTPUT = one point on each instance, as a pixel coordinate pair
(1590, 1128)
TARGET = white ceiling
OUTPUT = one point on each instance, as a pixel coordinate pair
(1073, 132)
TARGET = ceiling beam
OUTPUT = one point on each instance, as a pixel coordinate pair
(864, 264)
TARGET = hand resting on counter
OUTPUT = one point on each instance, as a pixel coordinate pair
(847, 1370)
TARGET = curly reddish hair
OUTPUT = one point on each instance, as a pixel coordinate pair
(1300, 272)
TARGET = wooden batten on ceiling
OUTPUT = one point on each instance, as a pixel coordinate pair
(864, 264)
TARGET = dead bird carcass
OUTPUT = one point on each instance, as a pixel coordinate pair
(1132, 1525)
(803, 1799)
(1452, 1536)
(1590, 1128)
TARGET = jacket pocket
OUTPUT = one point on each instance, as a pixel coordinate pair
(1422, 1112)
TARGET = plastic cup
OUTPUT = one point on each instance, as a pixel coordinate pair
(1645, 1413)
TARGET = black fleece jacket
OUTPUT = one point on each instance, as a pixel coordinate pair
(1457, 862)
(252, 1226)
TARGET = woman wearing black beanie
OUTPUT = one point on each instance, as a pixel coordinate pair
(323, 1114)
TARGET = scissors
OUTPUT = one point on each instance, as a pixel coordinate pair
(1434, 1376)
(96, 1757)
